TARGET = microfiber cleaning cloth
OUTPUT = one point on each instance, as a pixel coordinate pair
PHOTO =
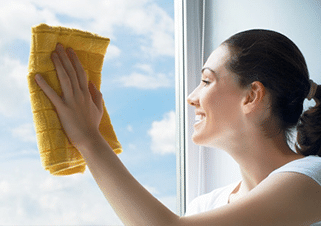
(57, 154)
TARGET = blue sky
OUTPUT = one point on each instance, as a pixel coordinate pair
(138, 87)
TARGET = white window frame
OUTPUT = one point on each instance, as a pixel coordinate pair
(199, 169)
(188, 61)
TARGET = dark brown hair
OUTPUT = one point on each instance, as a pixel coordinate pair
(274, 60)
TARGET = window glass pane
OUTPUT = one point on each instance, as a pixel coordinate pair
(138, 85)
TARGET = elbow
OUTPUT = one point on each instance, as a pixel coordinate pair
(178, 221)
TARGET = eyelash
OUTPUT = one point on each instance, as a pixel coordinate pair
(206, 82)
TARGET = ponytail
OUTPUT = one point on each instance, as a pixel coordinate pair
(309, 128)
(274, 60)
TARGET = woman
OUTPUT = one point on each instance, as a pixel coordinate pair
(250, 97)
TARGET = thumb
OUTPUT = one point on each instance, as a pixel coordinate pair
(96, 96)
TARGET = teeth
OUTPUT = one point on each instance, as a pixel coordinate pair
(199, 117)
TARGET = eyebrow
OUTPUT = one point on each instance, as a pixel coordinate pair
(210, 69)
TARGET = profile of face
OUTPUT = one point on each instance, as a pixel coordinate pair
(218, 102)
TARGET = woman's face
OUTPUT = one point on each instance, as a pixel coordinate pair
(217, 101)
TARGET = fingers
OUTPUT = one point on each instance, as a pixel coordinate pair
(64, 79)
(64, 67)
(50, 93)
(81, 74)
(72, 77)
(96, 96)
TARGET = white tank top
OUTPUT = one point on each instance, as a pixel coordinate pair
(309, 166)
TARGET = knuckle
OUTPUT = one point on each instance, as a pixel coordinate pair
(81, 99)
(63, 77)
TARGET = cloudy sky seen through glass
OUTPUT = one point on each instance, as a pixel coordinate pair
(138, 88)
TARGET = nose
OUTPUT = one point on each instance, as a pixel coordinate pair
(193, 98)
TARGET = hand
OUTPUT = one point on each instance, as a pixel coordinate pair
(80, 108)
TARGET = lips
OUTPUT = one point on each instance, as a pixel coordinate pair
(199, 118)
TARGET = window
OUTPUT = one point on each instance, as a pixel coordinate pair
(199, 168)
(138, 85)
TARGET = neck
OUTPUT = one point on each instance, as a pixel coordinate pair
(258, 156)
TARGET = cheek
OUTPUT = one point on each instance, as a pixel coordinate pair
(220, 108)
(212, 103)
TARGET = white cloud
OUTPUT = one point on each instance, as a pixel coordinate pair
(161, 34)
(132, 147)
(151, 189)
(161, 43)
(141, 17)
(112, 52)
(170, 202)
(163, 134)
(145, 67)
(17, 18)
(6, 152)
(146, 78)
(25, 132)
(4, 187)
(142, 81)
(13, 87)
(129, 128)
(29, 195)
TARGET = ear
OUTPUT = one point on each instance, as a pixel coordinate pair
(254, 97)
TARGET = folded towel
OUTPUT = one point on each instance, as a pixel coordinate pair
(57, 154)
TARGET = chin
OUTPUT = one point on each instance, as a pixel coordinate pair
(200, 140)
(204, 141)
(196, 141)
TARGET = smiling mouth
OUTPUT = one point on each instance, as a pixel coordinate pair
(199, 118)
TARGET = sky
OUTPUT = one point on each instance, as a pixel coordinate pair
(138, 88)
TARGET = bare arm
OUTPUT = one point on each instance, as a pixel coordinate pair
(133, 204)
(80, 110)
(284, 199)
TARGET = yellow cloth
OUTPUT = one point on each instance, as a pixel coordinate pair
(57, 154)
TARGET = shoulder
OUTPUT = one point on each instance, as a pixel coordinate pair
(287, 197)
(291, 193)
(216, 198)
(309, 166)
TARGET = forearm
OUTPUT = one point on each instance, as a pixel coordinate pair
(80, 109)
(131, 201)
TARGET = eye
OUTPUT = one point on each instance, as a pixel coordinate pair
(206, 82)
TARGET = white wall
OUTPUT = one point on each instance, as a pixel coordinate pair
(300, 20)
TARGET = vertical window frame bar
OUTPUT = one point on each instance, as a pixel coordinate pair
(180, 106)
(188, 64)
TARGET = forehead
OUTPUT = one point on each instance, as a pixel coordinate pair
(216, 61)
